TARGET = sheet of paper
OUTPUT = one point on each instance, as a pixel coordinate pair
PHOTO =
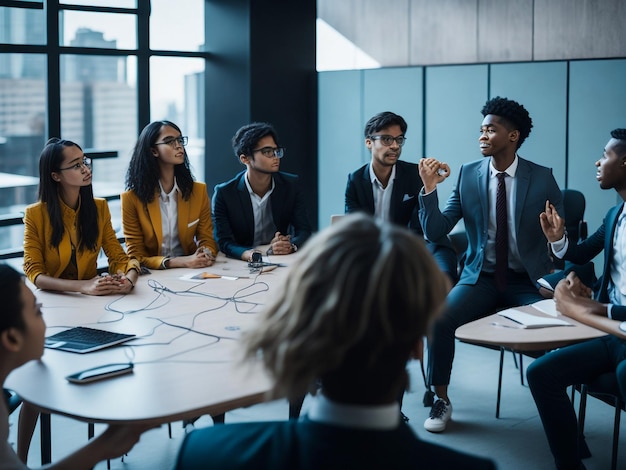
(547, 306)
(531, 321)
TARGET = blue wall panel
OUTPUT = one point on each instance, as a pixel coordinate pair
(340, 128)
(540, 87)
(398, 90)
(454, 97)
(597, 105)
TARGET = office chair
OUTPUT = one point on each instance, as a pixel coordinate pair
(603, 388)
(574, 215)
(12, 400)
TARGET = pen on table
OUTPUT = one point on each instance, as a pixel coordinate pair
(503, 325)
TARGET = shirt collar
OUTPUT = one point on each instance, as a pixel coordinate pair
(374, 178)
(252, 193)
(377, 417)
(510, 171)
(164, 195)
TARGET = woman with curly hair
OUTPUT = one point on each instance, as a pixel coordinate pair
(166, 216)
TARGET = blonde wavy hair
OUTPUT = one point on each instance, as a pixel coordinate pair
(356, 302)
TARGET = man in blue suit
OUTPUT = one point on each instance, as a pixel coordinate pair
(261, 205)
(351, 314)
(550, 375)
(499, 198)
(387, 187)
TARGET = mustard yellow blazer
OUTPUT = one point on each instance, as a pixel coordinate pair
(41, 258)
(144, 234)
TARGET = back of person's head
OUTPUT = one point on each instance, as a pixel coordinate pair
(357, 301)
(10, 293)
(382, 121)
(143, 170)
(245, 139)
(620, 135)
(513, 114)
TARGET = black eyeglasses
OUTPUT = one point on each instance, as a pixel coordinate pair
(85, 163)
(174, 140)
(387, 139)
(271, 152)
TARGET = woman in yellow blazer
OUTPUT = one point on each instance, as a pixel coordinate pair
(66, 229)
(63, 235)
(166, 216)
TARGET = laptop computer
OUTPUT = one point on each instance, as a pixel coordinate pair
(83, 340)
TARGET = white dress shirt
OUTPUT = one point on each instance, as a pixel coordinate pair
(380, 417)
(382, 195)
(168, 203)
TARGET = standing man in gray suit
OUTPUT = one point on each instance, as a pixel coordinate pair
(500, 199)
(388, 188)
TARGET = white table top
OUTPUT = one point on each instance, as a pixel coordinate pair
(496, 330)
(178, 373)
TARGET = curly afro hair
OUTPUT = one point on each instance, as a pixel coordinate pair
(620, 134)
(514, 114)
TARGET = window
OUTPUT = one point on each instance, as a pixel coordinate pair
(82, 86)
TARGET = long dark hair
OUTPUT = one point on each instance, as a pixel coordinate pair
(50, 162)
(143, 171)
(10, 293)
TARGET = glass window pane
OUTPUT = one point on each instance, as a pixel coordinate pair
(103, 3)
(99, 112)
(177, 27)
(177, 94)
(22, 135)
(22, 26)
(93, 29)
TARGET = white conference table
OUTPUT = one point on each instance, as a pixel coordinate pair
(185, 354)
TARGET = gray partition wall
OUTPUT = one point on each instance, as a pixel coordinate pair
(574, 106)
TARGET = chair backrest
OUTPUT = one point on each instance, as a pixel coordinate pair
(335, 218)
(574, 207)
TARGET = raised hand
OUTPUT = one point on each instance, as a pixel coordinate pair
(552, 224)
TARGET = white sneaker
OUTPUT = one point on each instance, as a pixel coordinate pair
(440, 414)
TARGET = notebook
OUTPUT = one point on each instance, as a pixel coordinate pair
(83, 340)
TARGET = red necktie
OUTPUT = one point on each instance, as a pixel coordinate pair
(502, 234)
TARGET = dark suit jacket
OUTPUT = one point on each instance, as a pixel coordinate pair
(303, 444)
(233, 218)
(404, 204)
(470, 201)
(585, 251)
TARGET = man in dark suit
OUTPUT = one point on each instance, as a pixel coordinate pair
(387, 187)
(261, 205)
(352, 312)
(550, 375)
(499, 198)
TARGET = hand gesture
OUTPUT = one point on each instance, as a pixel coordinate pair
(432, 173)
(202, 258)
(106, 284)
(280, 245)
(552, 224)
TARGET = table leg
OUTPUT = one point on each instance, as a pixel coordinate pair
(46, 444)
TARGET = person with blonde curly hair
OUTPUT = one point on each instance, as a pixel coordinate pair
(351, 314)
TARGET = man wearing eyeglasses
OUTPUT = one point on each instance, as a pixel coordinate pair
(387, 187)
(261, 205)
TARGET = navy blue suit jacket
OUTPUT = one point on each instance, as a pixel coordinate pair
(470, 201)
(233, 217)
(304, 444)
(586, 250)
